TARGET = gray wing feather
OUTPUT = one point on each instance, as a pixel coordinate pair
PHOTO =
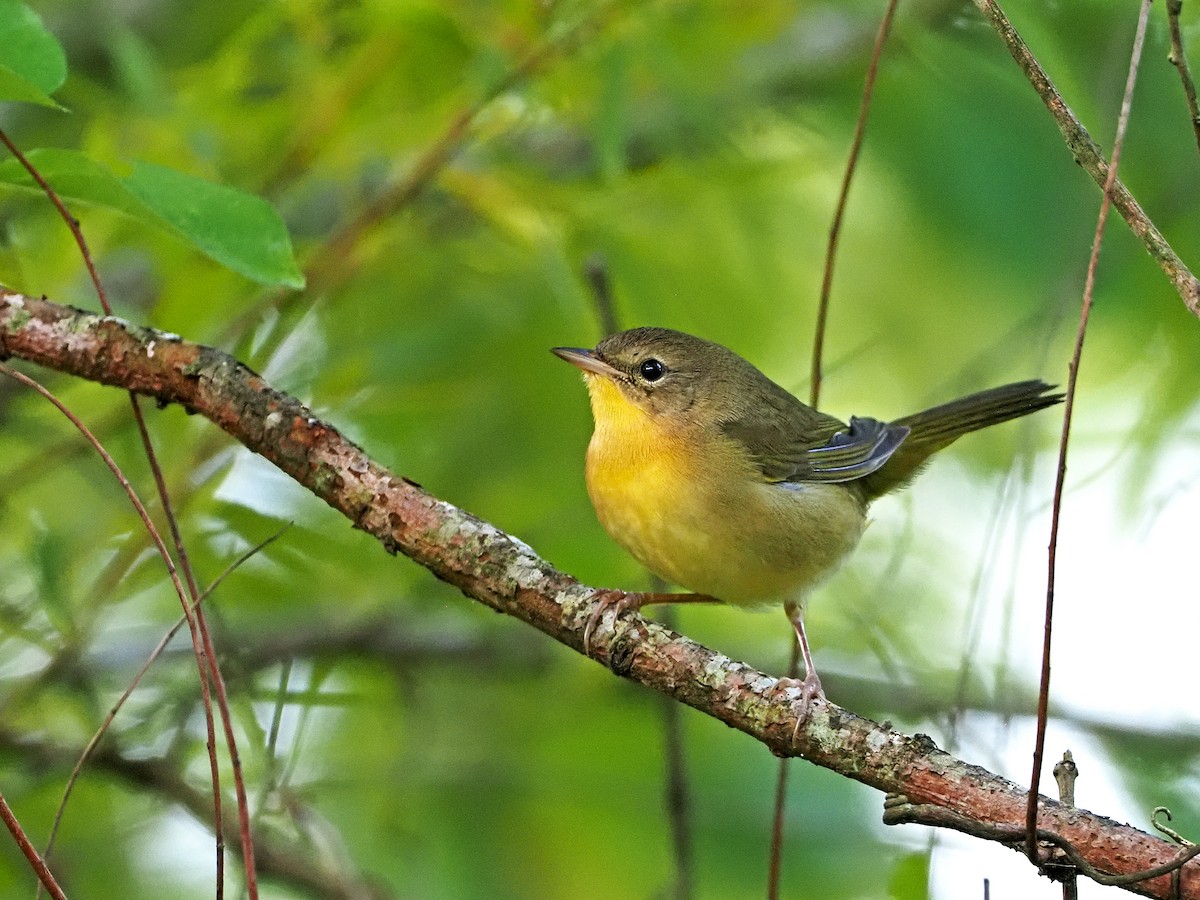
(854, 452)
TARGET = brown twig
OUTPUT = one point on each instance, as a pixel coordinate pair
(314, 874)
(64, 213)
(779, 807)
(678, 793)
(1179, 59)
(166, 639)
(899, 810)
(775, 866)
(210, 674)
(206, 657)
(1088, 155)
(835, 228)
(506, 575)
(1031, 812)
(45, 876)
(1065, 774)
(139, 507)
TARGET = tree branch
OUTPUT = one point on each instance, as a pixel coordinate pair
(1087, 153)
(506, 575)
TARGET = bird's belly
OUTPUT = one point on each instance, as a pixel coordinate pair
(746, 543)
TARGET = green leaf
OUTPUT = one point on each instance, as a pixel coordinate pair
(236, 229)
(15, 88)
(77, 177)
(34, 63)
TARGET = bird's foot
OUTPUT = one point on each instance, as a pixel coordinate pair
(606, 600)
(810, 692)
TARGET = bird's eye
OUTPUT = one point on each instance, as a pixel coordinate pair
(652, 369)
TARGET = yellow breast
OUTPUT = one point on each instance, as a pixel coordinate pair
(690, 505)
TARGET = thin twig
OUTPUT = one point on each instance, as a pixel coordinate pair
(287, 861)
(1065, 773)
(779, 808)
(897, 810)
(207, 658)
(271, 781)
(142, 512)
(204, 649)
(678, 794)
(45, 876)
(1088, 155)
(215, 677)
(1031, 811)
(775, 867)
(64, 213)
(835, 229)
(90, 748)
(1179, 58)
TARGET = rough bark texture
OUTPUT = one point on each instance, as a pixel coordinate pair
(500, 571)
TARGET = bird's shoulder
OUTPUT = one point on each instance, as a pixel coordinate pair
(789, 441)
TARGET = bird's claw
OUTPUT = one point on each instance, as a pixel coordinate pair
(606, 600)
(810, 693)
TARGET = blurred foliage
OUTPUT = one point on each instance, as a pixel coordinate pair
(424, 745)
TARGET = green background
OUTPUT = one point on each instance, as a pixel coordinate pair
(438, 750)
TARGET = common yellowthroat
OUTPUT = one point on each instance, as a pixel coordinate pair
(717, 479)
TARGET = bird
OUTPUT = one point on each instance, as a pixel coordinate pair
(722, 482)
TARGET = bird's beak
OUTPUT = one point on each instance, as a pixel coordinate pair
(585, 360)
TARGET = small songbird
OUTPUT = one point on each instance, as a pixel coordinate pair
(718, 480)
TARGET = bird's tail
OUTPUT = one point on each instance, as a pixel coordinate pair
(933, 429)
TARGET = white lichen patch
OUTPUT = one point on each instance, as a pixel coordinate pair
(522, 546)
(575, 598)
(762, 683)
(455, 523)
(526, 570)
(715, 669)
(462, 525)
(79, 339)
(792, 691)
(878, 740)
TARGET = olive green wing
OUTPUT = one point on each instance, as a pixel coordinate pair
(803, 445)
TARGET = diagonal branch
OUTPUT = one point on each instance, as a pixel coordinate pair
(506, 575)
(1178, 58)
(1087, 153)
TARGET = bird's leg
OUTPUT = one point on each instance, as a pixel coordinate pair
(622, 601)
(810, 687)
